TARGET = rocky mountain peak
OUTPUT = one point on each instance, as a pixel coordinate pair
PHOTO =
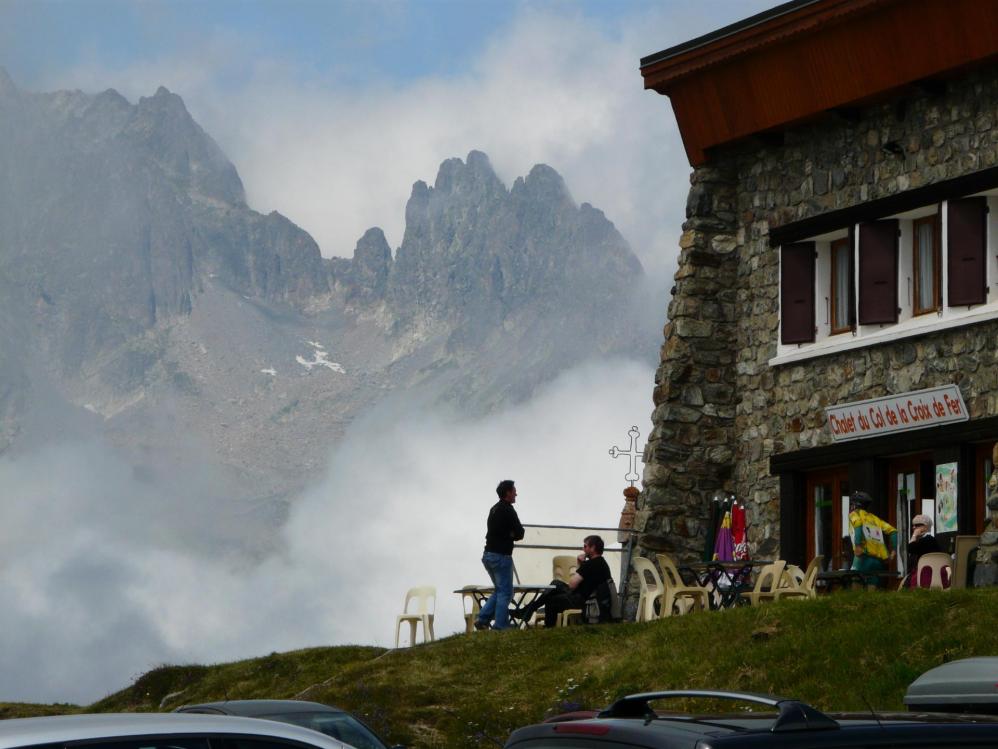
(165, 107)
(111, 98)
(473, 178)
(372, 248)
(7, 86)
(187, 153)
(372, 260)
(542, 183)
(474, 252)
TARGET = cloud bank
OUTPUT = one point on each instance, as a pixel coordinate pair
(106, 575)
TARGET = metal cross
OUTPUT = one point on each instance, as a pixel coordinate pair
(632, 454)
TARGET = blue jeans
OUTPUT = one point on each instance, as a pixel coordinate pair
(500, 569)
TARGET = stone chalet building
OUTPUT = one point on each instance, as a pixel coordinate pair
(834, 320)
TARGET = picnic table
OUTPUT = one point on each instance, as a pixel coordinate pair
(523, 595)
(846, 579)
(724, 580)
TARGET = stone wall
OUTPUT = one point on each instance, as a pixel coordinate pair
(720, 410)
(986, 567)
(690, 451)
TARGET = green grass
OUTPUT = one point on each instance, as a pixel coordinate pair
(841, 652)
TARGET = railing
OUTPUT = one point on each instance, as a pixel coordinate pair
(532, 556)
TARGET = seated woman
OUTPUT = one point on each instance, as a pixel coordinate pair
(921, 542)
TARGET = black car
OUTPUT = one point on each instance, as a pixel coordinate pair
(631, 723)
(328, 720)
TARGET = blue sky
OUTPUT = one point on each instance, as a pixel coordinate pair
(355, 39)
(331, 110)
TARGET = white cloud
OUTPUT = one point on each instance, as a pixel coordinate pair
(554, 87)
(107, 575)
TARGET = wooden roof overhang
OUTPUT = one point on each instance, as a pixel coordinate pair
(808, 57)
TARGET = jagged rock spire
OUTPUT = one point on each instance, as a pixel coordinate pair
(6, 82)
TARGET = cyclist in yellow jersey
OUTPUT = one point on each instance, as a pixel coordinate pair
(874, 540)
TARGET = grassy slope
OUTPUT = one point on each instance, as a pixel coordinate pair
(838, 653)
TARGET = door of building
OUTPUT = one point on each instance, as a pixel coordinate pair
(910, 495)
(828, 516)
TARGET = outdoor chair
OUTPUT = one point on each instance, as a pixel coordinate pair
(601, 607)
(800, 583)
(563, 567)
(934, 571)
(680, 597)
(767, 582)
(423, 599)
(468, 597)
(651, 588)
(569, 616)
(792, 583)
(964, 552)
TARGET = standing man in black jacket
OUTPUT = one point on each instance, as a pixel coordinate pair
(503, 529)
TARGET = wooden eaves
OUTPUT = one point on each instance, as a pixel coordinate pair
(806, 58)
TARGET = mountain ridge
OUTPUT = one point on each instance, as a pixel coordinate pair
(144, 289)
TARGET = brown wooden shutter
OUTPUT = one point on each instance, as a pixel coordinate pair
(878, 272)
(797, 293)
(967, 236)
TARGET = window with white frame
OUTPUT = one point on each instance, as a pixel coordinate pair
(933, 267)
(840, 286)
(926, 279)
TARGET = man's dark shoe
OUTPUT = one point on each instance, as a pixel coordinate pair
(482, 625)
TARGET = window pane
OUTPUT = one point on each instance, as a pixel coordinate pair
(823, 520)
(341, 726)
(844, 560)
(842, 284)
(926, 267)
(165, 742)
(267, 742)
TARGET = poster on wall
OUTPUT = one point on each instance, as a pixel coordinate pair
(946, 520)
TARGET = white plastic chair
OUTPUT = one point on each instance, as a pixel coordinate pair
(766, 583)
(680, 597)
(651, 588)
(800, 583)
(469, 600)
(941, 567)
(424, 599)
(563, 567)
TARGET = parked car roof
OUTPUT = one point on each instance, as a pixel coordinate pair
(23, 732)
(631, 721)
(963, 685)
(332, 721)
(253, 708)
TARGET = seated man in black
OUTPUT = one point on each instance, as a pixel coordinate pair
(588, 576)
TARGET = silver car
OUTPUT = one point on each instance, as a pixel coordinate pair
(158, 731)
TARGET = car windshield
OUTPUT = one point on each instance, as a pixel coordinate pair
(341, 726)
